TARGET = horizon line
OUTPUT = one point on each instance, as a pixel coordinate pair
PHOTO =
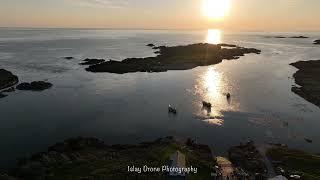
(150, 29)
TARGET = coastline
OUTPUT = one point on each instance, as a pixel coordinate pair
(307, 77)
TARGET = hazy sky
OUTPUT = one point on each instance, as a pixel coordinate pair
(262, 15)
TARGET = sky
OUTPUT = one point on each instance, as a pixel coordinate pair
(244, 15)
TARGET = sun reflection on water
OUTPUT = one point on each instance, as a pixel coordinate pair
(212, 83)
(212, 87)
(213, 36)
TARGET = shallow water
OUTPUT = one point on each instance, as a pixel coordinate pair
(132, 107)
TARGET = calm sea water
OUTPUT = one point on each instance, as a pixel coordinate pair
(132, 108)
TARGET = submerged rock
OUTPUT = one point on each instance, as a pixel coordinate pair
(92, 61)
(174, 58)
(7, 79)
(34, 86)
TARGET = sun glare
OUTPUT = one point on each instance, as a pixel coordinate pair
(213, 36)
(216, 9)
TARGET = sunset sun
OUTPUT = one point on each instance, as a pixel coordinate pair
(216, 9)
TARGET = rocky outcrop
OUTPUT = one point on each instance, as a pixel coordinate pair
(175, 58)
(307, 77)
(7, 79)
(34, 86)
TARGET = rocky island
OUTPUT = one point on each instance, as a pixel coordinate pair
(316, 41)
(34, 86)
(291, 37)
(308, 78)
(175, 58)
(299, 37)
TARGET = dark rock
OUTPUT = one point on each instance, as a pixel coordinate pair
(7, 79)
(69, 57)
(174, 58)
(227, 45)
(316, 41)
(299, 37)
(92, 61)
(308, 140)
(150, 45)
(172, 110)
(34, 86)
(279, 37)
(206, 104)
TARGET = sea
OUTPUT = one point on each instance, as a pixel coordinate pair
(132, 108)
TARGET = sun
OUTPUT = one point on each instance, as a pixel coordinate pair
(216, 9)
